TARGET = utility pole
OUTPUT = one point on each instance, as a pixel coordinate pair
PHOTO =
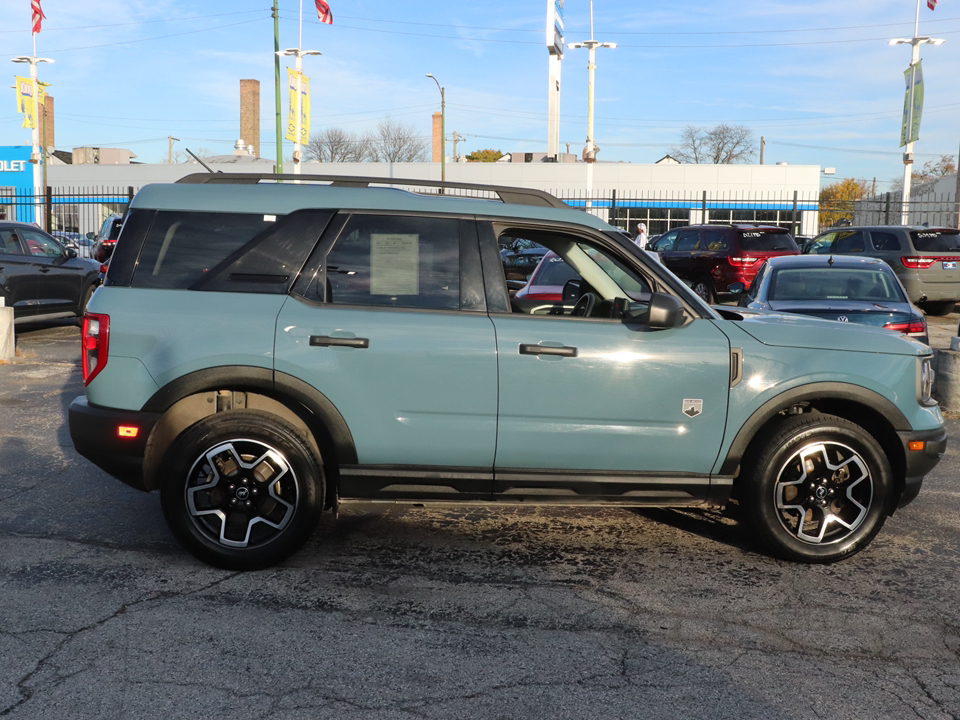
(170, 140)
(456, 137)
(276, 82)
(763, 146)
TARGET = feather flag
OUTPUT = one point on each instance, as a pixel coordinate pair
(932, 4)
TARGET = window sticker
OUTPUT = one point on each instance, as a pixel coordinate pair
(394, 261)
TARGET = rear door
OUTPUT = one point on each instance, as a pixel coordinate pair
(392, 329)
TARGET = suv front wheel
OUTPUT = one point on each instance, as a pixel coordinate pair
(243, 489)
(818, 489)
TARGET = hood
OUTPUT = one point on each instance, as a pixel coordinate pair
(802, 331)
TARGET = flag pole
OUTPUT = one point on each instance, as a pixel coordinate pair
(276, 84)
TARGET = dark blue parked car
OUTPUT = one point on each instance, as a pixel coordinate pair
(836, 287)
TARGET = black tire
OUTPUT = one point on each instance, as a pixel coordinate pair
(243, 489)
(704, 288)
(818, 489)
(85, 300)
(938, 309)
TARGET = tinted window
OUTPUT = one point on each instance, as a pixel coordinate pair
(835, 284)
(715, 240)
(397, 262)
(759, 241)
(935, 240)
(688, 240)
(555, 271)
(181, 247)
(884, 241)
(849, 241)
(667, 241)
(9, 243)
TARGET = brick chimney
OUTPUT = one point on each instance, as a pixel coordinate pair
(46, 123)
(250, 114)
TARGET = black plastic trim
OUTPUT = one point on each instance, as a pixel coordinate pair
(809, 393)
(919, 463)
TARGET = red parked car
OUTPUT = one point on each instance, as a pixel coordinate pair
(710, 258)
(545, 287)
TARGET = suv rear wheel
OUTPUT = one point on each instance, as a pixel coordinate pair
(818, 489)
(704, 288)
(244, 489)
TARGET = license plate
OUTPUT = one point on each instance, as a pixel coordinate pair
(950, 265)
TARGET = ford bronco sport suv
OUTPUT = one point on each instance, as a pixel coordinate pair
(262, 351)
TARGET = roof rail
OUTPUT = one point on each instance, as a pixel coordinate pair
(512, 195)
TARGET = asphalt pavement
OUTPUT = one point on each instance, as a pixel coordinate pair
(403, 612)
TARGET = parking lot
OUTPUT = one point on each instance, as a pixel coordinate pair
(406, 612)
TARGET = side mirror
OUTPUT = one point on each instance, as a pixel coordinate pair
(571, 292)
(665, 311)
(70, 252)
(737, 288)
(90, 236)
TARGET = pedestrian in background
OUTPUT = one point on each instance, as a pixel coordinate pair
(641, 238)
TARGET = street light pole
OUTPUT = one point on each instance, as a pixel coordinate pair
(443, 131)
(590, 151)
(915, 42)
(36, 156)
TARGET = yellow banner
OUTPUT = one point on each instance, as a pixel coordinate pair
(304, 107)
(25, 101)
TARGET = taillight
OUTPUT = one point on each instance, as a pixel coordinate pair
(914, 327)
(918, 263)
(95, 344)
(743, 261)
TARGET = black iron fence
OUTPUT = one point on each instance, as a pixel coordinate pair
(64, 209)
(932, 209)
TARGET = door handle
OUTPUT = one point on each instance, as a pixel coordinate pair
(328, 341)
(564, 351)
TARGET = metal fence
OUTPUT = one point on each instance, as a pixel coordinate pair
(64, 209)
(83, 210)
(932, 209)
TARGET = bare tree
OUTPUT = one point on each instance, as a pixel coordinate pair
(924, 180)
(182, 156)
(395, 142)
(720, 145)
(336, 145)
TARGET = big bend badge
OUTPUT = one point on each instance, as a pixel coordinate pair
(692, 408)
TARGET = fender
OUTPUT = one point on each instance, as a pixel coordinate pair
(813, 392)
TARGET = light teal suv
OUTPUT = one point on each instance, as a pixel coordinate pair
(262, 351)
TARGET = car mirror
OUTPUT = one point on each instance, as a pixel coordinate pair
(571, 292)
(90, 235)
(737, 288)
(665, 311)
(70, 252)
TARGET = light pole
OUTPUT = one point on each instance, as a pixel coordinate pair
(443, 130)
(298, 54)
(36, 156)
(915, 42)
(590, 151)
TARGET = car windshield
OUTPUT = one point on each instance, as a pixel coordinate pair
(936, 240)
(858, 284)
(765, 241)
(554, 271)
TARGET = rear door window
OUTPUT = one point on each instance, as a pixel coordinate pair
(884, 241)
(849, 241)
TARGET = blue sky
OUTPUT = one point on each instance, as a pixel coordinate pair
(816, 79)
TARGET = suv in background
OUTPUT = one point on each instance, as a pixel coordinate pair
(927, 260)
(710, 258)
(262, 351)
(107, 238)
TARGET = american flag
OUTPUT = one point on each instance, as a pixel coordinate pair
(39, 17)
(323, 12)
(932, 4)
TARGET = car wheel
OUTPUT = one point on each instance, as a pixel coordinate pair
(87, 294)
(938, 309)
(704, 289)
(243, 489)
(818, 489)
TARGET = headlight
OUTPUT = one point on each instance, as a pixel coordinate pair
(926, 376)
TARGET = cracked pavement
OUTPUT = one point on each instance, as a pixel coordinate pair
(465, 613)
